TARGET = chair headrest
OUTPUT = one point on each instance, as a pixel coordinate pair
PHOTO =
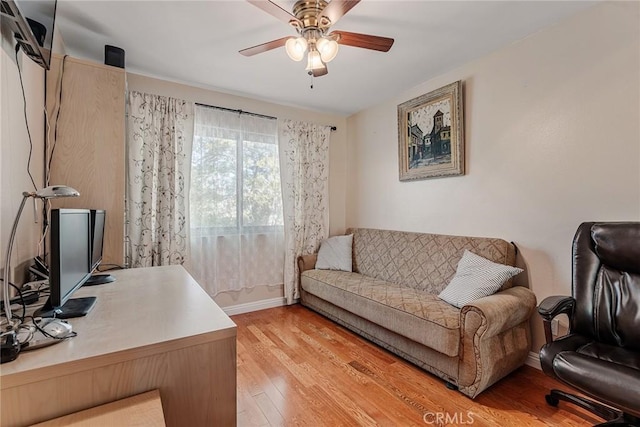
(617, 244)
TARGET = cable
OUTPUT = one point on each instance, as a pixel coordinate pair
(55, 132)
(32, 342)
(46, 206)
(47, 212)
(46, 203)
(24, 305)
(45, 333)
(48, 137)
(26, 121)
(31, 330)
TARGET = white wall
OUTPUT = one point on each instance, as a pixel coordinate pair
(337, 156)
(552, 129)
(14, 151)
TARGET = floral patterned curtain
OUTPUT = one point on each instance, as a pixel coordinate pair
(304, 170)
(159, 138)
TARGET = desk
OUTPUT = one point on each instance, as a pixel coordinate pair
(153, 328)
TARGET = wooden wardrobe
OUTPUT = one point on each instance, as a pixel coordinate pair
(85, 104)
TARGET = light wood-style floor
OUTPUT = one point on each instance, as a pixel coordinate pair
(296, 367)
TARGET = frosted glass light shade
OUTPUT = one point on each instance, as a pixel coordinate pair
(328, 49)
(314, 62)
(296, 47)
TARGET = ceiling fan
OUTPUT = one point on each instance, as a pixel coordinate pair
(312, 20)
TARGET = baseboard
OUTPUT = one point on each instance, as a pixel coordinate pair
(533, 360)
(254, 306)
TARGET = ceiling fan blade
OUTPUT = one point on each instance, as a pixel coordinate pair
(366, 41)
(336, 9)
(264, 47)
(274, 10)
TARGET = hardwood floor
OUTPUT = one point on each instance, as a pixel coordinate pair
(296, 367)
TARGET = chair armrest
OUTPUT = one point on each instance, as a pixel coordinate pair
(502, 310)
(307, 262)
(551, 307)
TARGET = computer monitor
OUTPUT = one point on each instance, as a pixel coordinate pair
(98, 218)
(69, 264)
(97, 237)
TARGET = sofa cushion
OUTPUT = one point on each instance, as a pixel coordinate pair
(420, 260)
(335, 253)
(409, 312)
(476, 277)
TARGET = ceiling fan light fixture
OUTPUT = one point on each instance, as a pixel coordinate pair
(296, 47)
(314, 61)
(328, 49)
(312, 21)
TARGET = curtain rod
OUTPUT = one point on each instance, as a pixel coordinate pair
(333, 128)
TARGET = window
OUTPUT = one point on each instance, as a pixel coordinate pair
(235, 201)
(235, 177)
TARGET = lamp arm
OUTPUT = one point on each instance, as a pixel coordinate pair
(5, 282)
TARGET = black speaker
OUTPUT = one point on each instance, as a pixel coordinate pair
(113, 56)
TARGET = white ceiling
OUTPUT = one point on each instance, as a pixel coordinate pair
(197, 42)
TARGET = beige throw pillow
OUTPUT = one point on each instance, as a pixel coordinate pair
(335, 253)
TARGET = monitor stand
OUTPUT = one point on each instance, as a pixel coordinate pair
(76, 307)
(99, 279)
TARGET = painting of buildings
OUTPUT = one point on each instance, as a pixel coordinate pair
(430, 136)
(433, 146)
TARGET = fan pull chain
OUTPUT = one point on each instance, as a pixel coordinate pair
(311, 76)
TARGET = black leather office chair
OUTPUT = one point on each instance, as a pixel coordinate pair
(600, 356)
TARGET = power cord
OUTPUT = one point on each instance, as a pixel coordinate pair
(55, 128)
(22, 302)
(36, 322)
(29, 343)
(26, 120)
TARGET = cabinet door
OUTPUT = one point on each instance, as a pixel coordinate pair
(88, 102)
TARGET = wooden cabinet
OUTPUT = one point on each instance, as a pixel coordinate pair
(86, 110)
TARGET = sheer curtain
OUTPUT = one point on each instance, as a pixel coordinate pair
(304, 161)
(236, 226)
(159, 136)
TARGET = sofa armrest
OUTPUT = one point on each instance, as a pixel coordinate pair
(307, 262)
(495, 338)
(503, 310)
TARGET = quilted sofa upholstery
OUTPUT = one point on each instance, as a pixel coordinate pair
(391, 299)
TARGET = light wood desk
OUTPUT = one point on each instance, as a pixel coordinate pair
(154, 328)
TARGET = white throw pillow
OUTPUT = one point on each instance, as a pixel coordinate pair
(335, 253)
(476, 277)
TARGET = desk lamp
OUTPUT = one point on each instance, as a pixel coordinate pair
(51, 192)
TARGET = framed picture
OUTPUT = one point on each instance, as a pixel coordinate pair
(430, 135)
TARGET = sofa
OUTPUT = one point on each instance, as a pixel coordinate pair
(391, 298)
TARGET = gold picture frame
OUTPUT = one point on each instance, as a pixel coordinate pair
(430, 135)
